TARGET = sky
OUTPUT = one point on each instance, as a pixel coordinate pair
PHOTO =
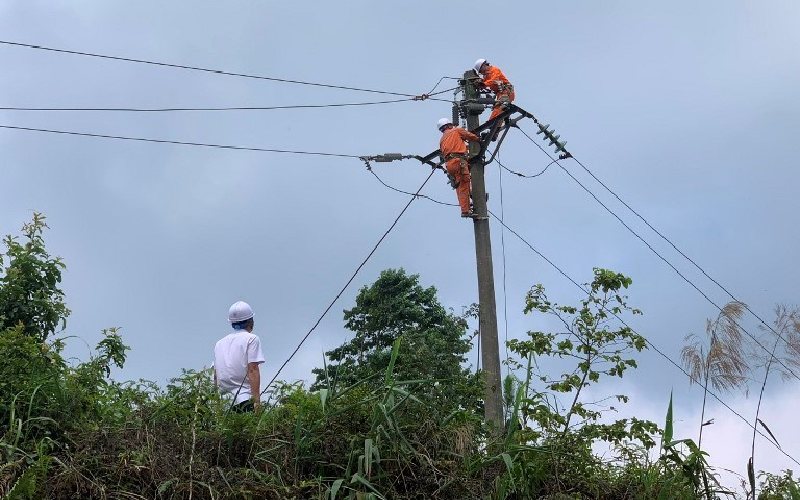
(687, 110)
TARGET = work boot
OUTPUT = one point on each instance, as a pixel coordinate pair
(472, 215)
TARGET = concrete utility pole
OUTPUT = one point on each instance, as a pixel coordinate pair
(490, 349)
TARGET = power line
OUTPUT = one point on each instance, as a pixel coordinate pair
(649, 343)
(658, 254)
(526, 176)
(430, 92)
(653, 346)
(223, 108)
(438, 202)
(695, 264)
(182, 143)
(371, 171)
(503, 246)
(209, 70)
(659, 233)
(443, 91)
(352, 277)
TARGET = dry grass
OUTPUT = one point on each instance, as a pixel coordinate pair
(721, 357)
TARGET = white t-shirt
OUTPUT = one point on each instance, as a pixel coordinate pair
(232, 353)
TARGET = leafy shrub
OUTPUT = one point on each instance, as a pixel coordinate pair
(391, 418)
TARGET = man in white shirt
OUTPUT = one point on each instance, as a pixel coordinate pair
(237, 357)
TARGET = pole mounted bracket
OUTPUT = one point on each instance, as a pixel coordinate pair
(428, 160)
(386, 157)
(500, 125)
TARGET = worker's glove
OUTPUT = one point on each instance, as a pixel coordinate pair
(452, 181)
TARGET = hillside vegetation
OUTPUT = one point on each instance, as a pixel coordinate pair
(392, 413)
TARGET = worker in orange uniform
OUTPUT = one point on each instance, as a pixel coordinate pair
(454, 151)
(494, 79)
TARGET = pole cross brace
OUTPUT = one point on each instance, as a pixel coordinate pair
(508, 118)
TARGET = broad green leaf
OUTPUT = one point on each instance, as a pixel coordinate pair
(390, 369)
(335, 488)
(668, 430)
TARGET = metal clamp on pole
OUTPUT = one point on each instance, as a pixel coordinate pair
(428, 160)
(387, 157)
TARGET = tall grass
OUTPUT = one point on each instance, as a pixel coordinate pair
(67, 430)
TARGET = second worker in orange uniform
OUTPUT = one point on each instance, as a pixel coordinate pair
(494, 79)
(454, 151)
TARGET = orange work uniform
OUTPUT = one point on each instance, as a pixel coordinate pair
(454, 151)
(496, 81)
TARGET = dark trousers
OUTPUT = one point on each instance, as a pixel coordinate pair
(244, 407)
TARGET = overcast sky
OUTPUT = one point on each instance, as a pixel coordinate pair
(690, 111)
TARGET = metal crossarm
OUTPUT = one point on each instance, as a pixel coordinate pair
(492, 126)
(501, 124)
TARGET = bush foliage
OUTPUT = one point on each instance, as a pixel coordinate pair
(394, 413)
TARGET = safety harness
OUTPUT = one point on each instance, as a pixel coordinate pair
(450, 178)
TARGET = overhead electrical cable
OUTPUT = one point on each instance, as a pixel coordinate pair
(503, 246)
(664, 259)
(526, 176)
(208, 108)
(442, 92)
(181, 143)
(371, 171)
(649, 343)
(350, 280)
(554, 140)
(430, 92)
(209, 70)
(670, 242)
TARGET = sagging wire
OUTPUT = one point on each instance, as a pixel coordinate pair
(205, 70)
(649, 343)
(350, 280)
(503, 246)
(525, 176)
(408, 193)
(181, 143)
(660, 256)
(574, 282)
(211, 108)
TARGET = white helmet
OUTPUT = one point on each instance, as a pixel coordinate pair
(442, 122)
(240, 311)
(478, 64)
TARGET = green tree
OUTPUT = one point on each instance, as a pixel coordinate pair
(434, 340)
(552, 423)
(598, 344)
(44, 400)
(30, 296)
